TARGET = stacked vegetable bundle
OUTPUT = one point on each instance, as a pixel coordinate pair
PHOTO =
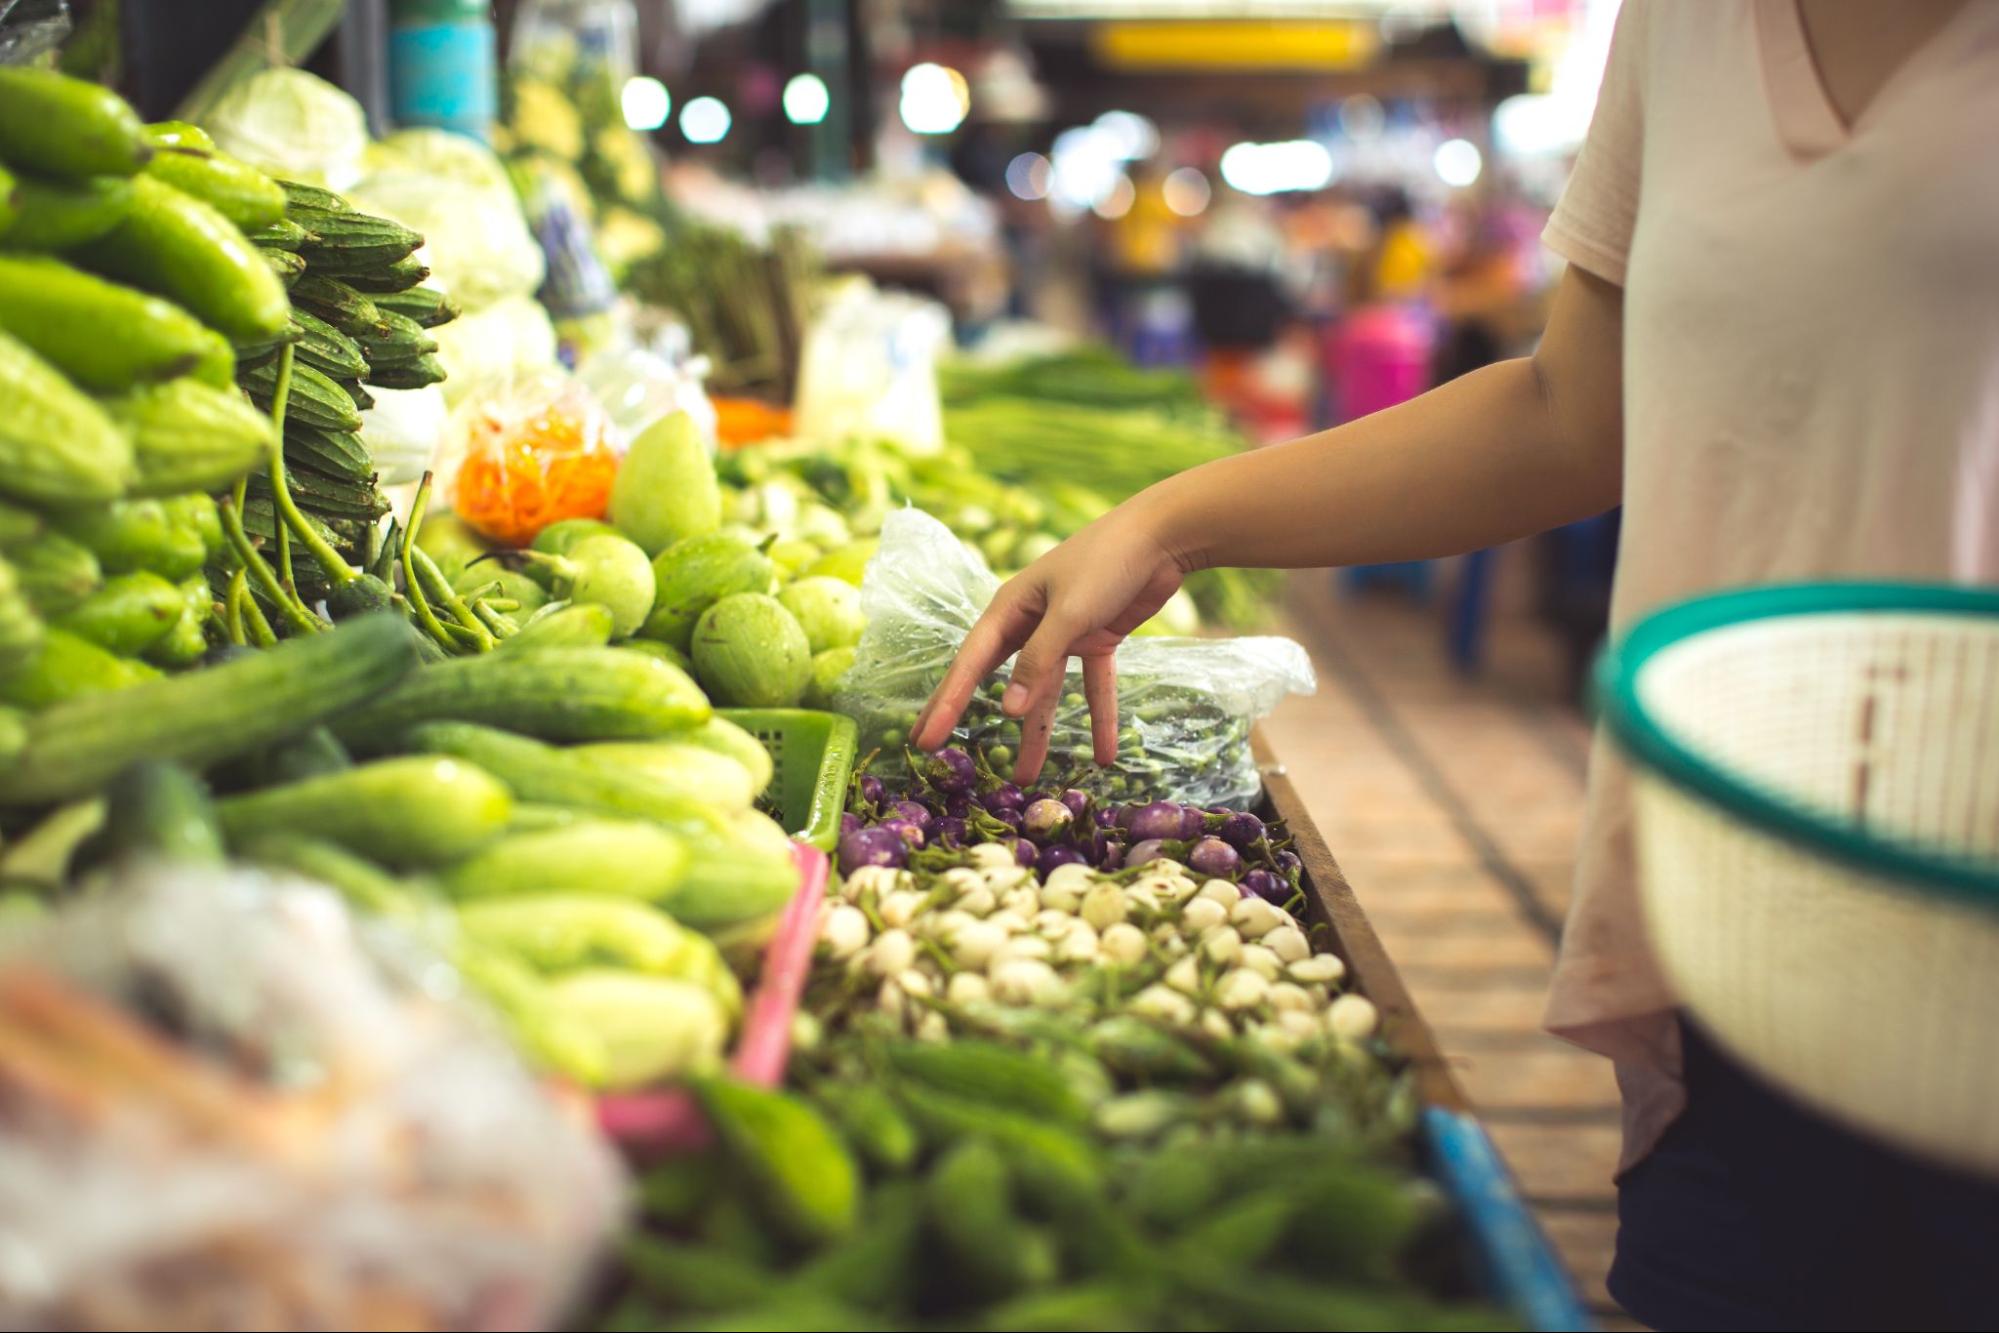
(1133, 1101)
(358, 314)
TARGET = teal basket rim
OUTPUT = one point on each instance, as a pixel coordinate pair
(1649, 743)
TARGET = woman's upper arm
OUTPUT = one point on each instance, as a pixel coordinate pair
(1579, 368)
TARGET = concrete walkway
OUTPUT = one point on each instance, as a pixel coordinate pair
(1453, 806)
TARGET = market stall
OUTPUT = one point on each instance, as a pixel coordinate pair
(441, 743)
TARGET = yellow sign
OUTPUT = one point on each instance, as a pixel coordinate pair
(1240, 45)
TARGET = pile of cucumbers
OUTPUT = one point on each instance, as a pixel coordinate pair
(125, 285)
(359, 313)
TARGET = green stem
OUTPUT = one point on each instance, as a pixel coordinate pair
(295, 614)
(412, 585)
(232, 607)
(260, 630)
(495, 618)
(328, 559)
(436, 585)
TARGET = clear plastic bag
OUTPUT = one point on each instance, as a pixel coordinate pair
(1185, 706)
(870, 368)
(233, 1105)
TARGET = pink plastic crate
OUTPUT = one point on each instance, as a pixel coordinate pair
(668, 1122)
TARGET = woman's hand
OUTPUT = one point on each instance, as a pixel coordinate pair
(1079, 600)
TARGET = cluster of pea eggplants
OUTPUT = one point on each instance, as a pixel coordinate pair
(955, 800)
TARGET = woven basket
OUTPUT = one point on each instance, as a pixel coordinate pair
(1817, 789)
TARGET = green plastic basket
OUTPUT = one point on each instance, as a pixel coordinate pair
(1816, 784)
(814, 758)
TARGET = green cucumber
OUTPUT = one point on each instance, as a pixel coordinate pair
(180, 247)
(128, 535)
(54, 215)
(67, 127)
(408, 811)
(566, 694)
(70, 667)
(158, 811)
(233, 188)
(203, 717)
(548, 774)
(56, 445)
(799, 1169)
(128, 615)
(626, 858)
(187, 436)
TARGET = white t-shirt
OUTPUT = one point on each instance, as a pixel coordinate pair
(1811, 376)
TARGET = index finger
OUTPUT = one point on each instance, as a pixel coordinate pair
(998, 634)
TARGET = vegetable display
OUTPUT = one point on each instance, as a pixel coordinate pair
(1059, 1099)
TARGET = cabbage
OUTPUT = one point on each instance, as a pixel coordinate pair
(294, 125)
(456, 193)
(508, 336)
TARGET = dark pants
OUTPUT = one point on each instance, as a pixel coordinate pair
(1754, 1213)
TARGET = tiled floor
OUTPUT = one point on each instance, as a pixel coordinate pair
(1453, 807)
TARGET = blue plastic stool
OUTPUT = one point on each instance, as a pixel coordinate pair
(1411, 576)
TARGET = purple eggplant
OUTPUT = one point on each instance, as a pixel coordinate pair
(872, 790)
(908, 830)
(1044, 820)
(1192, 821)
(1158, 821)
(1105, 819)
(1025, 853)
(1267, 885)
(1124, 814)
(958, 805)
(1151, 849)
(872, 847)
(1006, 796)
(1288, 862)
(1078, 802)
(1052, 857)
(915, 812)
(1109, 855)
(950, 770)
(949, 831)
(1215, 858)
(1240, 830)
(849, 821)
(1010, 818)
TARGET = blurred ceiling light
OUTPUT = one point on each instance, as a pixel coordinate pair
(704, 120)
(1085, 167)
(1361, 117)
(1272, 168)
(1130, 135)
(1117, 200)
(935, 98)
(1027, 176)
(645, 103)
(1457, 162)
(1539, 125)
(1186, 191)
(806, 100)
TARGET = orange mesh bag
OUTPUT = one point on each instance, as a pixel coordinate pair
(527, 452)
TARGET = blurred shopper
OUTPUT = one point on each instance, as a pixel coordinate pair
(1775, 392)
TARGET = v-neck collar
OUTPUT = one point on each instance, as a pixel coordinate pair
(1808, 122)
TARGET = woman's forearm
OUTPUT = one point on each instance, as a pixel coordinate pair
(1504, 452)
(1468, 465)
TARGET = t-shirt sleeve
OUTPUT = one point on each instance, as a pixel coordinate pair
(1592, 225)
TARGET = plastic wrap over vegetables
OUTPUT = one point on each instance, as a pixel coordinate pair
(231, 1105)
(1185, 705)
